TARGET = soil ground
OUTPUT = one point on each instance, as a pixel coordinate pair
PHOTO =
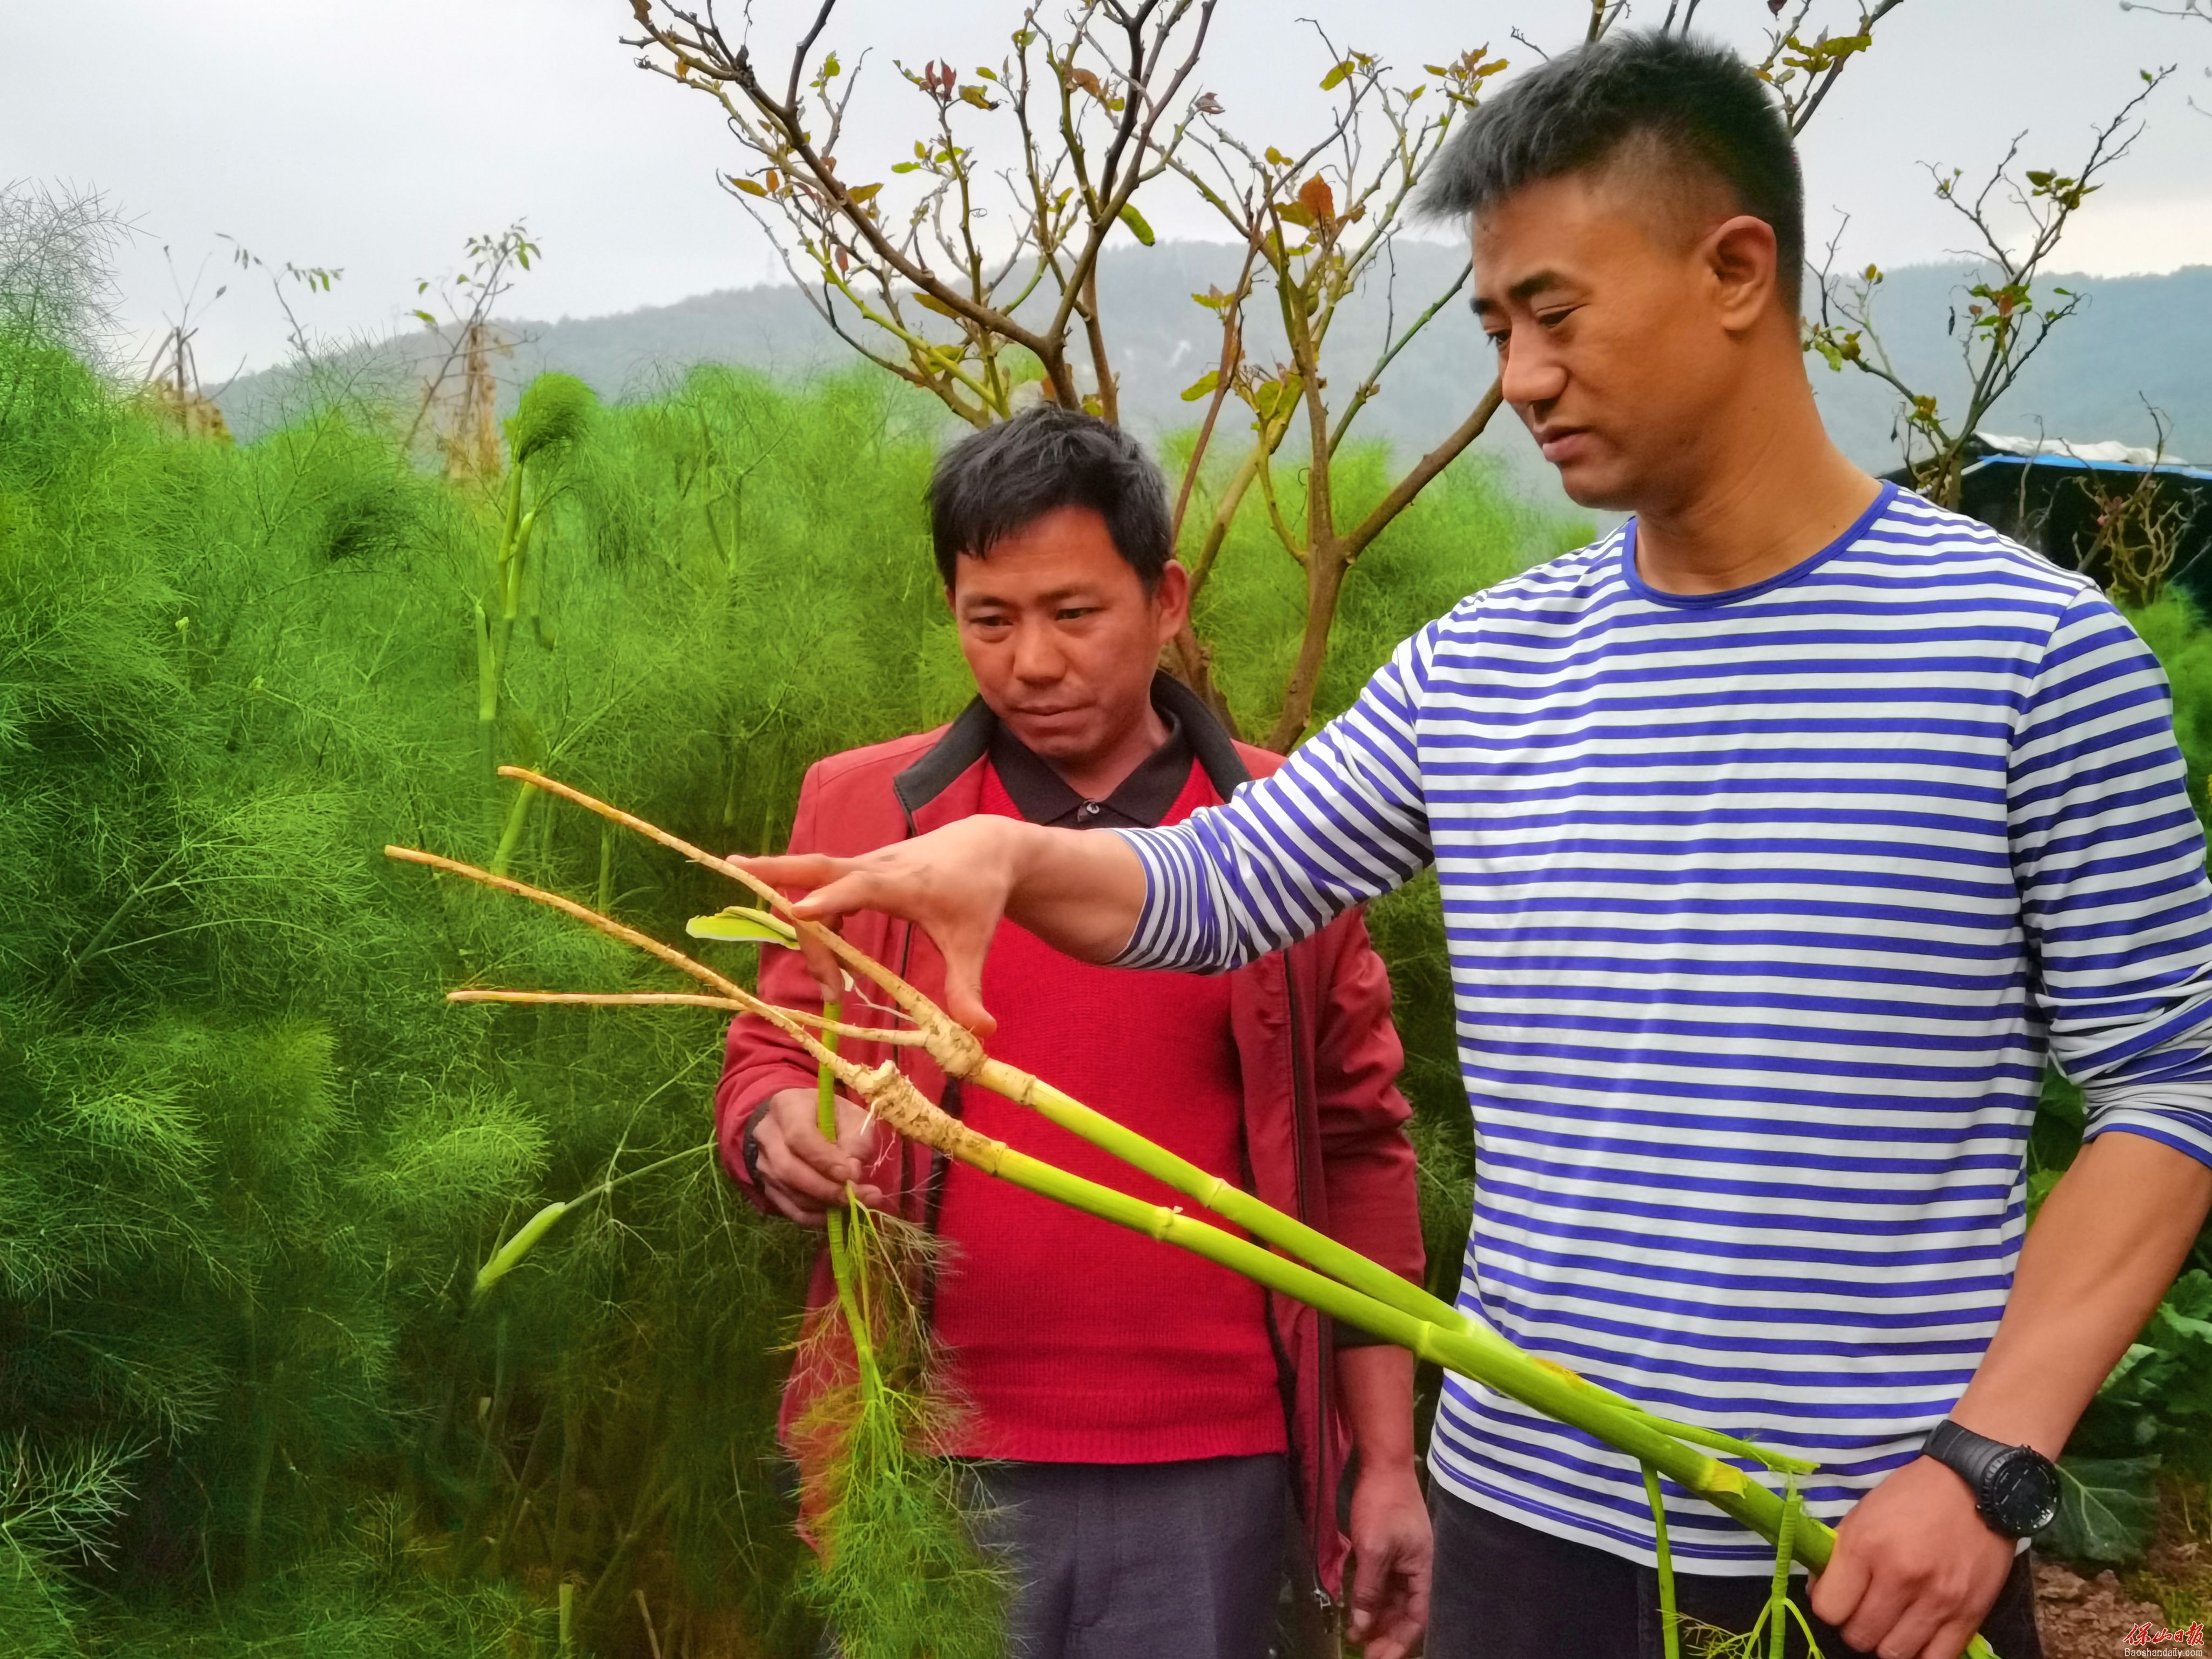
(2171, 1594)
(2090, 1618)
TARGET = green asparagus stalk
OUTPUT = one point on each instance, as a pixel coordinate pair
(1475, 1353)
(1471, 1350)
(1308, 1244)
(1778, 1599)
(840, 1264)
(959, 1055)
(1327, 1275)
(1669, 1622)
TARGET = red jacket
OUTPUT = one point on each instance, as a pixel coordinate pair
(1324, 1122)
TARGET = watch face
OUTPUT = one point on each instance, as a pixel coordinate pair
(2020, 1492)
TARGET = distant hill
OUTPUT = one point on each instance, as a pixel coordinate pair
(2136, 338)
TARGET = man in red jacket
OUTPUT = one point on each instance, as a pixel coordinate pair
(1145, 1422)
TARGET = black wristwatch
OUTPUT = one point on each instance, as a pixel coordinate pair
(2015, 1487)
(749, 1146)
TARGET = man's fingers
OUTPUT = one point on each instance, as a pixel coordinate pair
(1943, 1619)
(1888, 1600)
(788, 1204)
(1417, 1602)
(1950, 1641)
(806, 1144)
(793, 1125)
(830, 906)
(965, 949)
(795, 1175)
(807, 873)
(821, 962)
(1370, 1569)
(802, 1171)
(856, 1133)
(964, 992)
(947, 890)
(803, 870)
(1389, 1599)
(1835, 1589)
(1392, 1624)
(838, 894)
(1914, 1628)
(857, 1138)
(1397, 1638)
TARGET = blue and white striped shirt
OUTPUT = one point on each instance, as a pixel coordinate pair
(1764, 910)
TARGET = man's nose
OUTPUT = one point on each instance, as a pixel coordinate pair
(1038, 657)
(1532, 374)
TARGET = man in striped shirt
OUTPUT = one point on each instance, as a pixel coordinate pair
(1784, 835)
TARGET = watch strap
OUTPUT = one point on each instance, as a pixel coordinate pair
(1966, 1453)
(749, 1146)
(1976, 1460)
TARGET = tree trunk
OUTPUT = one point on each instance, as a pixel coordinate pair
(1327, 565)
(1190, 659)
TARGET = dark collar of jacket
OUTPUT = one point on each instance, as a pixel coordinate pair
(922, 788)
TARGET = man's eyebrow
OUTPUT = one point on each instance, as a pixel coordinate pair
(1527, 287)
(1059, 596)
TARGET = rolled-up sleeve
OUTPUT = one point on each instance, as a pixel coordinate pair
(2110, 862)
(1343, 821)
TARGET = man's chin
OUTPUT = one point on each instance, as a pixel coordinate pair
(1061, 741)
(1605, 487)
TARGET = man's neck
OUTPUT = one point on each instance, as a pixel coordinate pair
(1779, 493)
(1095, 777)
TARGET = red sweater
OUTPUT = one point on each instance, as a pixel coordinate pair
(1323, 1125)
(1072, 1340)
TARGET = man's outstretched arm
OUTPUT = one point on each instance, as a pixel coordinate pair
(1079, 891)
(1344, 820)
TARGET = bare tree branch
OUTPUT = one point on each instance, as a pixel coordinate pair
(2002, 324)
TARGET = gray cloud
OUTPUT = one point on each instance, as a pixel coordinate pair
(375, 135)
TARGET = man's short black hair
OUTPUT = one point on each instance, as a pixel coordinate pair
(1697, 104)
(1001, 480)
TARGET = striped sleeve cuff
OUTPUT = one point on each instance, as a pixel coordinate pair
(2179, 1115)
(1168, 933)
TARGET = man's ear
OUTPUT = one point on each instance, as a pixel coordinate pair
(1741, 255)
(1172, 600)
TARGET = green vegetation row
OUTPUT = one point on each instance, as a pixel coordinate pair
(251, 1163)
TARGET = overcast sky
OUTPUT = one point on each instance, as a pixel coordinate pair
(374, 136)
